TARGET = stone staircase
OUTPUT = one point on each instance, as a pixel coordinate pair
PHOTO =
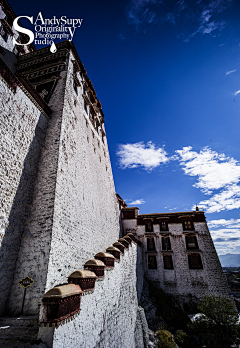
(18, 332)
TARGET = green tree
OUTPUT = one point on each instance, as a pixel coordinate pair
(180, 337)
(165, 339)
(220, 321)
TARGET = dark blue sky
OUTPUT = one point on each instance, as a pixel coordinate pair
(168, 76)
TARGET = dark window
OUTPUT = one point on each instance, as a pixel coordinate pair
(167, 260)
(195, 261)
(191, 242)
(75, 87)
(9, 18)
(85, 106)
(150, 244)
(152, 262)
(16, 51)
(149, 226)
(3, 33)
(187, 225)
(164, 226)
(92, 118)
(166, 245)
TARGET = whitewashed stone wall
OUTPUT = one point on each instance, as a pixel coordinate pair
(140, 272)
(22, 135)
(86, 217)
(108, 317)
(130, 224)
(7, 47)
(74, 213)
(182, 281)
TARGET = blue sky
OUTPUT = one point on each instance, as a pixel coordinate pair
(168, 76)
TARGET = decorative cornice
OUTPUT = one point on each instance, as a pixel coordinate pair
(34, 96)
(49, 70)
(186, 216)
(13, 81)
(49, 57)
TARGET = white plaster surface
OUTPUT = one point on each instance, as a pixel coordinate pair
(74, 212)
(108, 317)
(182, 281)
(22, 134)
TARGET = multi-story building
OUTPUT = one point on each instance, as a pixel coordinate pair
(178, 252)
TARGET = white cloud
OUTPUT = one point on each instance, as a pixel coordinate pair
(219, 5)
(207, 23)
(225, 234)
(230, 72)
(228, 199)
(137, 202)
(236, 93)
(171, 18)
(214, 170)
(207, 27)
(206, 15)
(181, 5)
(223, 222)
(178, 12)
(148, 156)
(139, 11)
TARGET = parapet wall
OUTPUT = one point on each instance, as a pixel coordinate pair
(109, 316)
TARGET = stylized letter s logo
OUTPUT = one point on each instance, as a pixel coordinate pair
(23, 30)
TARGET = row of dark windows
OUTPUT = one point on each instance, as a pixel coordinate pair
(191, 243)
(187, 225)
(85, 107)
(194, 261)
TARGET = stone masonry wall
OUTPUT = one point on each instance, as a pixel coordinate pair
(7, 47)
(86, 216)
(22, 135)
(182, 281)
(36, 240)
(108, 316)
(74, 213)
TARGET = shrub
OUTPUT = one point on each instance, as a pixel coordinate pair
(180, 337)
(220, 321)
(165, 339)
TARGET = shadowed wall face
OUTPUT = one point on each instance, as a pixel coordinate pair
(22, 134)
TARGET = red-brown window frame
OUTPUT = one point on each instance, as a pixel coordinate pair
(197, 261)
(188, 242)
(151, 244)
(152, 264)
(164, 246)
(167, 264)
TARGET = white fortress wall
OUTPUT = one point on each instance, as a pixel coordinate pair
(22, 134)
(86, 216)
(180, 280)
(35, 248)
(108, 317)
(74, 212)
